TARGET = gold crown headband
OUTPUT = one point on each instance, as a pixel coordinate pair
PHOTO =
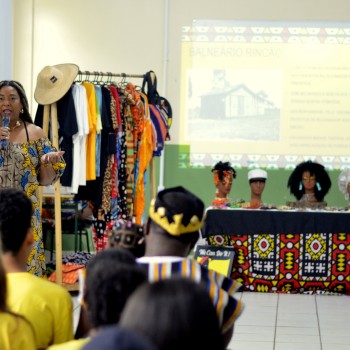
(175, 228)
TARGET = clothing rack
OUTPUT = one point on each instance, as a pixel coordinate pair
(97, 78)
(97, 75)
(50, 112)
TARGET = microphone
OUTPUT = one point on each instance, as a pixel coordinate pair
(5, 123)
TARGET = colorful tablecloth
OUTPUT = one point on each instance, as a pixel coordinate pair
(295, 252)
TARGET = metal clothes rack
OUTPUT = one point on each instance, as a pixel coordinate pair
(97, 75)
(50, 112)
(97, 78)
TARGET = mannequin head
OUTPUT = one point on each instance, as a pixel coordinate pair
(223, 176)
(309, 178)
(344, 183)
(257, 179)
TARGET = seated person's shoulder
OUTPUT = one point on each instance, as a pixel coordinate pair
(18, 330)
(43, 287)
(56, 289)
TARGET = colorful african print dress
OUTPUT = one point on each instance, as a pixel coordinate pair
(20, 168)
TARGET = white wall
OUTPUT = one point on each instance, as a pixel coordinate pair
(6, 39)
(108, 35)
(128, 36)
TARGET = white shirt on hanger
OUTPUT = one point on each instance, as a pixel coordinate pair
(79, 139)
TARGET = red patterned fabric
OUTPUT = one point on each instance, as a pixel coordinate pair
(290, 263)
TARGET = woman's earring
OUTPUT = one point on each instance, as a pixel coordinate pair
(318, 186)
(22, 111)
(300, 186)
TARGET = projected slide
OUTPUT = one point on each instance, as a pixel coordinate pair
(266, 94)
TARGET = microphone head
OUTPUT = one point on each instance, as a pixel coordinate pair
(5, 120)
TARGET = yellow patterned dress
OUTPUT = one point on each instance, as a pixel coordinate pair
(20, 168)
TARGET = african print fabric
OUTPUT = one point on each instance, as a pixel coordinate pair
(291, 263)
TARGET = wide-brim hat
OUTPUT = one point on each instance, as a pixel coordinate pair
(53, 82)
(257, 175)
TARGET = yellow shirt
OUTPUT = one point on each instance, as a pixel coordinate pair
(15, 333)
(46, 305)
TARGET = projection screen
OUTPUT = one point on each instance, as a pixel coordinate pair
(267, 94)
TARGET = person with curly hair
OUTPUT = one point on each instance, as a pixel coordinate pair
(309, 183)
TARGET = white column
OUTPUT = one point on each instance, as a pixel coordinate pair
(6, 35)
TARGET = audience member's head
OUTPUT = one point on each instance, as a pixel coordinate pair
(224, 173)
(111, 276)
(309, 178)
(15, 223)
(175, 313)
(126, 234)
(175, 218)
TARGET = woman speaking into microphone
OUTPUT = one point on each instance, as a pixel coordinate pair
(27, 160)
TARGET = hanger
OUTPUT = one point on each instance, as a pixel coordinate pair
(87, 76)
(79, 78)
(96, 77)
(123, 81)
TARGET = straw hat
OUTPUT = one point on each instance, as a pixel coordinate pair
(53, 82)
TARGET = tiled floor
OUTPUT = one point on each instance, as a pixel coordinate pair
(292, 322)
(287, 322)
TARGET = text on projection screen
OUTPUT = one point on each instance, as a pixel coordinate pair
(267, 94)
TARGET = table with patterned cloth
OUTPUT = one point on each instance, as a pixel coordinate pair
(285, 251)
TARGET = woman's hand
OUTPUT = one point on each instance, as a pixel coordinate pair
(51, 157)
(48, 173)
(4, 133)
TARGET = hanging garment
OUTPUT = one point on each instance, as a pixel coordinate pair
(91, 139)
(98, 93)
(145, 154)
(79, 139)
(122, 159)
(117, 127)
(68, 127)
(108, 147)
